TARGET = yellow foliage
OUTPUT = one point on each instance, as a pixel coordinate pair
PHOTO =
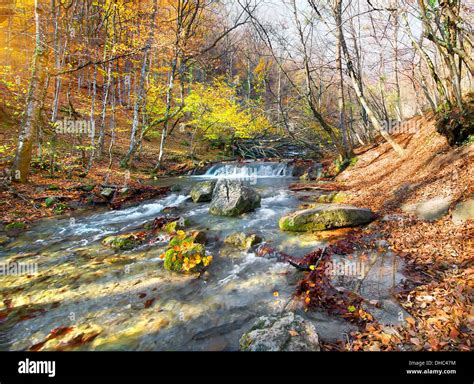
(218, 114)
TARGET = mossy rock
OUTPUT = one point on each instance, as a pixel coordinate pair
(86, 188)
(285, 332)
(243, 241)
(15, 228)
(324, 217)
(202, 192)
(107, 193)
(232, 198)
(184, 255)
(123, 242)
(336, 197)
(4, 240)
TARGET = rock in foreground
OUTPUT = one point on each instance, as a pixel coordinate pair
(325, 217)
(202, 192)
(233, 198)
(288, 332)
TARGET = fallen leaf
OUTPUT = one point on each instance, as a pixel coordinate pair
(149, 303)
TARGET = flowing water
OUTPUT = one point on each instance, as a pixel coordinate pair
(127, 300)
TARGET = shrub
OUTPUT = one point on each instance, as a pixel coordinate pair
(341, 165)
(184, 255)
(457, 126)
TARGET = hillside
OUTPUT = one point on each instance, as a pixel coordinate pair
(439, 253)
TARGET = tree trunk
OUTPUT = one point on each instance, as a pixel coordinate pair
(32, 118)
(373, 119)
(141, 90)
(340, 101)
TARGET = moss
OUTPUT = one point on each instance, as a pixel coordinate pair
(469, 140)
(175, 226)
(245, 342)
(339, 197)
(87, 188)
(16, 226)
(242, 240)
(4, 240)
(340, 165)
(50, 201)
(172, 263)
(122, 242)
(320, 219)
(60, 208)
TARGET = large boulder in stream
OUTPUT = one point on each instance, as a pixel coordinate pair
(326, 216)
(202, 192)
(233, 198)
(287, 332)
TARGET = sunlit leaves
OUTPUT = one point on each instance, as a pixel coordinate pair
(218, 114)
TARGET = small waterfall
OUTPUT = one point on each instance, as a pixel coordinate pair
(250, 170)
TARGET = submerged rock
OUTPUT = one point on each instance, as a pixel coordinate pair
(202, 192)
(233, 198)
(326, 217)
(4, 240)
(288, 332)
(123, 242)
(243, 241)
(15, 228)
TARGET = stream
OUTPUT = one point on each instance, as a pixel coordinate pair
(126, 300)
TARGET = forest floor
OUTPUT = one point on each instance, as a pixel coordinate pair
(439, 254)
(26, 202)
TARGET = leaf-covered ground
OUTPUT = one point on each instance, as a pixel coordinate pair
(439, 255)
